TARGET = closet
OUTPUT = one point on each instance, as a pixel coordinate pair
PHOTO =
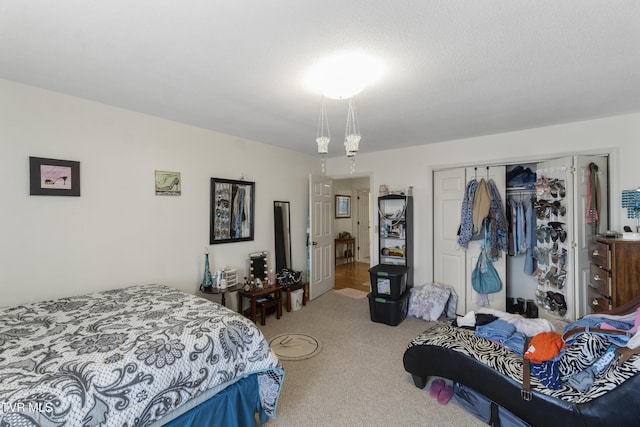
(563, 244)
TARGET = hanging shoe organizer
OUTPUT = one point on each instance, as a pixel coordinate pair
(552, 243)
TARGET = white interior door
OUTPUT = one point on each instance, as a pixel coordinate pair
(364, 226)
(321, 252)
(449, 262)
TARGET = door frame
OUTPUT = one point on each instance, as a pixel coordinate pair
(363, 216)
(372, 208)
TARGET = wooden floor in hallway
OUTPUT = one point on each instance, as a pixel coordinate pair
(353, 275)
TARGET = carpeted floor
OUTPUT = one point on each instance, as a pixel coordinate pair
(358, 378)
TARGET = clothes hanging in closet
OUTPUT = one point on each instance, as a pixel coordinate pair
(466, 217)
(522, 236)
(498, 227)
(593, 198)
(530, 262)
(482, 202)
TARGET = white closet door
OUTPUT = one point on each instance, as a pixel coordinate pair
(449, 261)
(452, 265)
(497, 300)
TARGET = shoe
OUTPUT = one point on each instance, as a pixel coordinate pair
(436, 388)
(540, 297)
(557, 302)
(560, 187)
(532, 310)
(543, 233)
(445, 395)
(542, 187)
(552, 271)
(553, 189)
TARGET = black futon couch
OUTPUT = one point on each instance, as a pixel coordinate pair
(491, 370)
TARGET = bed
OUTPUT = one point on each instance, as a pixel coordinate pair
(495, 373)
(145, 355)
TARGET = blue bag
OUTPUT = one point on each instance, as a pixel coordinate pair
(484, 278)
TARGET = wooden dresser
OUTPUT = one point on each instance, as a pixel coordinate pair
(614, 273)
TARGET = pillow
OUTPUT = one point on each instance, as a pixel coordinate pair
(428, 301)
(452, 304)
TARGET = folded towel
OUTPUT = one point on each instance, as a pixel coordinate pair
(498, 330)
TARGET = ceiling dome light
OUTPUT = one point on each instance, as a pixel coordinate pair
(344, 75)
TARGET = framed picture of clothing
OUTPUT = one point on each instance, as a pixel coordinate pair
(53, 177)
(232, 210)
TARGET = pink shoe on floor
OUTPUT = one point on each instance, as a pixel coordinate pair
(445, 395)
(436, 388)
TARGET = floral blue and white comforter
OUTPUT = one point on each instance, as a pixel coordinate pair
(124, 357)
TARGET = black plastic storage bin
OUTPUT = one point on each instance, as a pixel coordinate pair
(388, 281)
(389, 311)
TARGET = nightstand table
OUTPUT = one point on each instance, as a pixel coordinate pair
(222, 292)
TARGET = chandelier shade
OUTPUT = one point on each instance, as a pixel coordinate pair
(323, 136)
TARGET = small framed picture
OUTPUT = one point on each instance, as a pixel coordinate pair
(53, 177)
(343, 206)
(168, 183)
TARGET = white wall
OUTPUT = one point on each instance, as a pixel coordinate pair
(619, 135)
(118, 232)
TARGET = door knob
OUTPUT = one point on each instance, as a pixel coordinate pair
(314, 243)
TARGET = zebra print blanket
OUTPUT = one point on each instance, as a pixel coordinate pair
(509, 363)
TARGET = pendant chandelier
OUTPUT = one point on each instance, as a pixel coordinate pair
(323, 137)
(352, 135)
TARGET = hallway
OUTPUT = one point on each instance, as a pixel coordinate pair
(353, 275)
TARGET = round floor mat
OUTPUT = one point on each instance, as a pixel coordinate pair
(295, 346)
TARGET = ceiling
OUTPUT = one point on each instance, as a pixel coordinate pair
(454, 68)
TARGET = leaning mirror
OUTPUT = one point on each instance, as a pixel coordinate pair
(282, 235)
